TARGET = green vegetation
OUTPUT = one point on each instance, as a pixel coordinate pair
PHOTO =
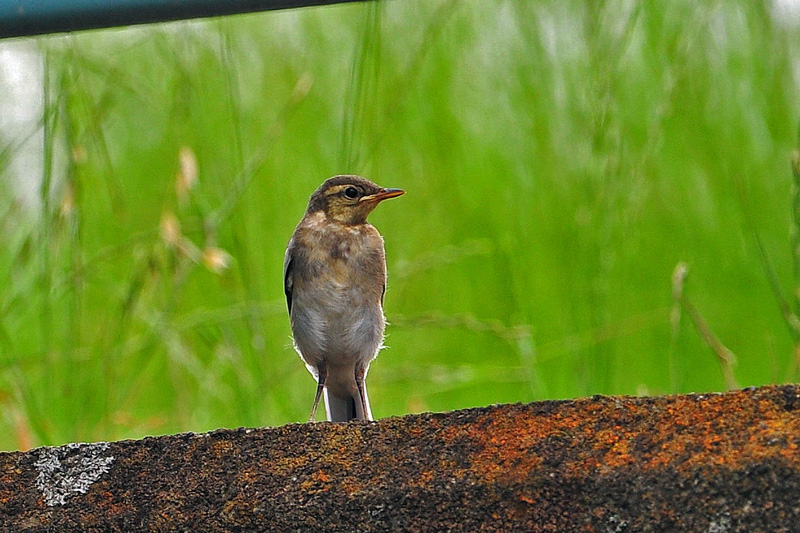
(560, 159)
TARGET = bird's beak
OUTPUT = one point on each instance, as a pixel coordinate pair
(384, 194)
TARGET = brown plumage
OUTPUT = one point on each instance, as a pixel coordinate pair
(334, 279)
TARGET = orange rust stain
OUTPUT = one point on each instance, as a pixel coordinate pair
(417, 432)
(423, 480)
(619, 454)
(222, 448)
(284, 465)
(600, 435)
(504, 446)
(316, 482)
(321, 476)
(247, 476)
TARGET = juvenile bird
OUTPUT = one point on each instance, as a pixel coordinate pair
(334, 276)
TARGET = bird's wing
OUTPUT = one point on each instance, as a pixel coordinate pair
(288, 283)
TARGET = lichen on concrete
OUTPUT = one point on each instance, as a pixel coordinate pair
(71, 469)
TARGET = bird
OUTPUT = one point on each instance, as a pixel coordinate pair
(334, 277)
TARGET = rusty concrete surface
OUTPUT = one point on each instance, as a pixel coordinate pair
(699, 462)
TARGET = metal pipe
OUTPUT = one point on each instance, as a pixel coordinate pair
(36, 17)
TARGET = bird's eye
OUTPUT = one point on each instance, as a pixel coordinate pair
(351, 192)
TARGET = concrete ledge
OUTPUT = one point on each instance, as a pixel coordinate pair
(700, 462)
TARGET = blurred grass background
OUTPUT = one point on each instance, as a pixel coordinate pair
(560, 158)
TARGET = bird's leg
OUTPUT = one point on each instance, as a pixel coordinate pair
(361, 375)
(322, 376)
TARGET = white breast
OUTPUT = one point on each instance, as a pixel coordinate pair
(336, 325)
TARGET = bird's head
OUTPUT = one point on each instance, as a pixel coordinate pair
(349, 199)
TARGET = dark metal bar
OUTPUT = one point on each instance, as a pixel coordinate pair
(36, 17)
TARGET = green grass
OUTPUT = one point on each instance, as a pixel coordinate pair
(560, 158)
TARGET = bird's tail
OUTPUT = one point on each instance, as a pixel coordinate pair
(342, 406)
